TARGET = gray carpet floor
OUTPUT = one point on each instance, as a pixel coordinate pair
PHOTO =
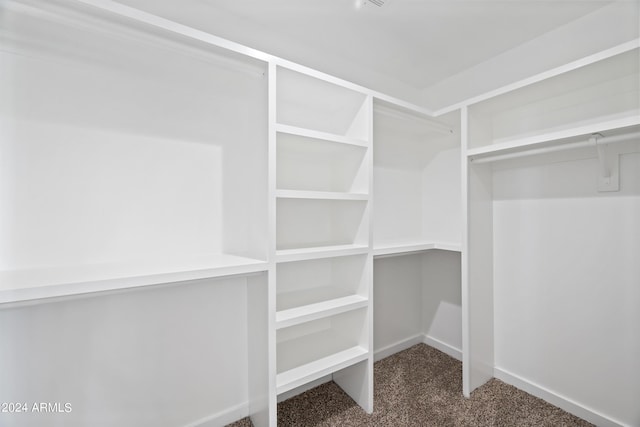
(421, 387)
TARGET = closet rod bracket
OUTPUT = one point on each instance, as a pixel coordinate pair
(609, 165)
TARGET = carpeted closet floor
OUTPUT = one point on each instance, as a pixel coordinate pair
(421, 387)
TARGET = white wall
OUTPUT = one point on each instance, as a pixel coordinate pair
(116, 144)
(417, 299)
(163, 356)
(441, 299)
(566, 294)
(397, 298)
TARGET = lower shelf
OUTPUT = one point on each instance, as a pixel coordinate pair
(305, 313)
(313, 349)
(23, 285)
(288, 380)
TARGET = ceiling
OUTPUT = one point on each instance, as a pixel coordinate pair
(403, 47)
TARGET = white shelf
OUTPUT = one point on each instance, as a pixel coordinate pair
(306, 373)
(406, 247)
(306, 313)
(23, 285)
(320, 195)
(324, 136)
(578, 130)
(301, 254)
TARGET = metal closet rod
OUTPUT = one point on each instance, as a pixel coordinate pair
(593, 141)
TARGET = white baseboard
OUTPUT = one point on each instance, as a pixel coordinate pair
(222, 418)
(556, 399)
(397, 346)
(448, 349)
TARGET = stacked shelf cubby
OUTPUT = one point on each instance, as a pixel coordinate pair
(417, 181)
(321, 151)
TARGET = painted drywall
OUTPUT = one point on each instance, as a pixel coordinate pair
(162, 356)
(417, 299)
(397, 299)
(566, 294)
(441, 298)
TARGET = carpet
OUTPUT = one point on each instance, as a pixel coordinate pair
(421, 387)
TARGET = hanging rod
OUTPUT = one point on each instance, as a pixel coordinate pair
(593, 141)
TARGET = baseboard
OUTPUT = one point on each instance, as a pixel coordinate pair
(556, 399)
(397, 346)
(448, 349)
(222, 418)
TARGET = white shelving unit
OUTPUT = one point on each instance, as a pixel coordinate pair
(417, 230)
(416, 180)
(101, 195)
(542, 190)
(284, 189)
(124, 150)
(321, 146)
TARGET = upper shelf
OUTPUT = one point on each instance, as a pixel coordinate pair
(600, 96)
(324, 136)
(23, 285)
(562, 135)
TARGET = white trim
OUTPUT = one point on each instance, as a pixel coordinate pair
(398, 346)
(447, 349)
(222, 418)
(464, 253)
(587, 60)
(556, 399)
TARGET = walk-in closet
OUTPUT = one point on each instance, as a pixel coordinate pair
(203, 217)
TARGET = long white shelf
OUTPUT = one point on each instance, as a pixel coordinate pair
(406, 247)
(301, 254)
(288, 380)
(309, 133)
(24, 285)
(320, 195)
(580, 129)
(306, 313)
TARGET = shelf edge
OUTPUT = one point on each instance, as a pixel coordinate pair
(301, 375)
(309, 312)
(43, 292)
(324, 136)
